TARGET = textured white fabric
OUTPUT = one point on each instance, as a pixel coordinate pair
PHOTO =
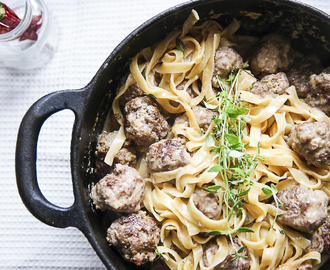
(89, 30)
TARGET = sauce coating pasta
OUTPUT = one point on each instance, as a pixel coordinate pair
(187, 103)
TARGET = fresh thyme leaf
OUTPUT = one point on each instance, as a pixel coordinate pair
(244, 229)
(179, 45)
(241, 249)
(236, 206)
(213, 233)
(232, 139)
(267, 191)
(212, 189)
(210, 106)
(216, 168)
(152, 96)
(243, 193)
(209, 141)
(236, 154)
(234, 113)
(238, 253)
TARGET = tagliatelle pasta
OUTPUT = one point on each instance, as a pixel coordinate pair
(169, 194)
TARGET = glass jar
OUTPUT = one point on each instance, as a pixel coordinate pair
(34, 40)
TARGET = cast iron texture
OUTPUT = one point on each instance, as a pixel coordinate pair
(309, 27)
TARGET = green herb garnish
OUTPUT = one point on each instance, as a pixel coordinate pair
(212, 189)
(179, 45)
(272, 191)
(159, 254)
(234, 165)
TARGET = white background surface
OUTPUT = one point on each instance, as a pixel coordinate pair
(89, 31)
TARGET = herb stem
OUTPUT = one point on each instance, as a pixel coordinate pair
(234, 164)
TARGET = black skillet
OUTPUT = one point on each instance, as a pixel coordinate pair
(309, 27)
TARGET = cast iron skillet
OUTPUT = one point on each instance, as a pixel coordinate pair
(309, 27)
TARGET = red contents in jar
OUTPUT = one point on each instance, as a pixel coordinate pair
(9, 20)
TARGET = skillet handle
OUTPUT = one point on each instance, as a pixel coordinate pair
(26, 157)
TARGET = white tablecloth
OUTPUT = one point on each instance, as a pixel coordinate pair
(89, 30)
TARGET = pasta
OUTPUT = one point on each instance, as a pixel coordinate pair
(185, 230)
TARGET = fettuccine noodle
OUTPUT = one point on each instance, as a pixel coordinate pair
(168, 194)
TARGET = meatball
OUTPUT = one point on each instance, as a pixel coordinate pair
(225, 59)
(242, 263)
(300, 72)
(305, 209)
(320, 83)
(271, 85)
(317, 243)
(203, 116)
(319, 95)
(325, 234)
(126, 155)
(101, 168)
(271, 55)
(144, 124)
(167, 155)
(121, 191)
(311, 140)
(206, 202)
(135, 236)
(133, 91)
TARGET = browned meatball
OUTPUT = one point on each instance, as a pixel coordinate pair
(242, 263)
(167, 155)
(203, 116)
(320, 91)
(126, 155)
(271, 55)
(144, 124)
(305, 209)
(325, 234)
(225, 59)
(121, 191)
(317, 243)
(311, 141)
(299, 74)
(101, 168)
(206, 202)
(271, 85)
(135, 236)
(320, 83)
(131, 92)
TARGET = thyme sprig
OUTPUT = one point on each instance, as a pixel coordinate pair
(234, 165)
(159, 254)
(272, 191)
